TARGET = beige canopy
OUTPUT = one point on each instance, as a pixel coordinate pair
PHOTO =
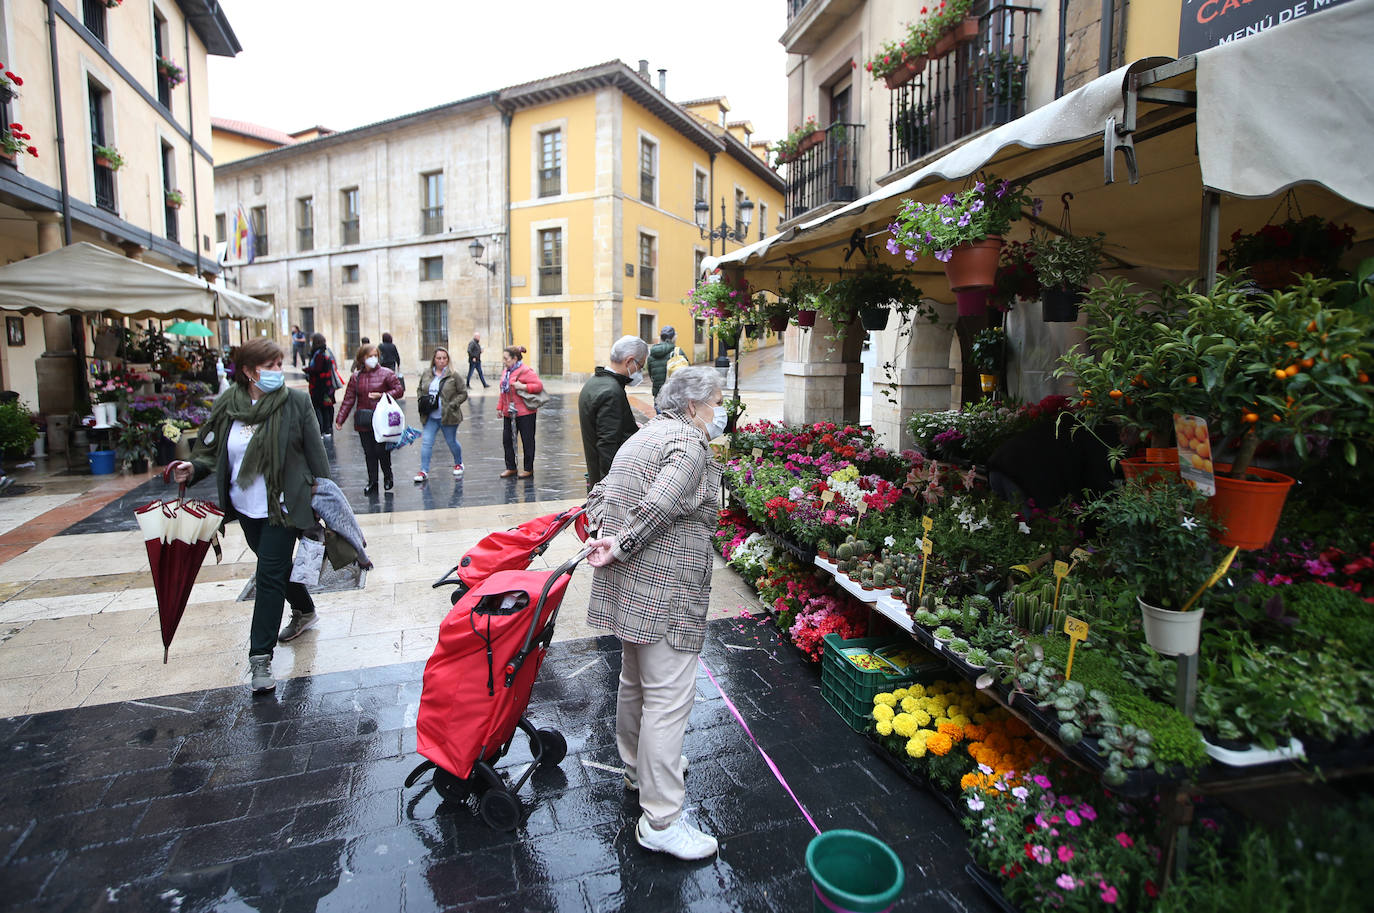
(1289, 108)
(85, 278)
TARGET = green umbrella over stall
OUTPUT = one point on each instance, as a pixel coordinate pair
(187, 328)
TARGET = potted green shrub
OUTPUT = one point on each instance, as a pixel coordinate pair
(872, 293)
(17, 429)
(173, 198)
(1063, 265)
(963, 231)
(989, 356)
(801, 294)
(136, 446)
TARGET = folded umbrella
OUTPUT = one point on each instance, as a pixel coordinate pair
(177, 534)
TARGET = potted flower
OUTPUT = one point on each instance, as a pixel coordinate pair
(1276, 254)
(107, 157)
(17, 429)
(173, 198)
(989, 354)
(963, 231)
(952, 25)
(1063, 265)
(809, 134)
(871, 293)
(170, 71)
(1157, 538)
(14, 141)
(898, 62)
(136, 446)
(1015, 276)
(801, 295)
(8, 83)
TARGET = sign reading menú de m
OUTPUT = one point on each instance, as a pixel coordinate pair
(1208, 23)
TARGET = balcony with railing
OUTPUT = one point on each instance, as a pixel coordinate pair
(104, 188)
(827, 172)
(810, 22)
(975, 85)
(432, 220)
(350, 231)
(305, 239)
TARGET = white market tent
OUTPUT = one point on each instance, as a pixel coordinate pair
(85, 278)
(1211, 139)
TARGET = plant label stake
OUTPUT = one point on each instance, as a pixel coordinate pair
(862, 508)
(827, 496)
(1212, 580)
(926, 548)
(1077, 629)
(1061, 570)
(757, 453)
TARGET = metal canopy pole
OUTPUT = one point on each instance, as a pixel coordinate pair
(1209, 239)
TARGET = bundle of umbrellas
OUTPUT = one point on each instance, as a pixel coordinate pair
(177, 534)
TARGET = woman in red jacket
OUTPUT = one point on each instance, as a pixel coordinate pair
(516, 379)
(369, 381)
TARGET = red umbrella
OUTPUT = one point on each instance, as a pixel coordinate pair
(177, 534)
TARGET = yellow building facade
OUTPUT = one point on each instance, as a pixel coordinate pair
(605, 177)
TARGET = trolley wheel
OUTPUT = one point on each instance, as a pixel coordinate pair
(499, 809)
(450, 788)
(554, 746)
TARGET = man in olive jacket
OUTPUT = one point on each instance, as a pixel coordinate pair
(603, 408)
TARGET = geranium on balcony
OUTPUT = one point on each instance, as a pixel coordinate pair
(171, 71)
(13, 141)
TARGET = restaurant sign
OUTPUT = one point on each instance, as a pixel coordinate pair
(1209, 23)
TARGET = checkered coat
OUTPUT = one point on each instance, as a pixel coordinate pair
(659, 502)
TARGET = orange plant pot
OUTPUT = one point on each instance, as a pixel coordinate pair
(906, 72)
(1162, 455)
(1146, 471)
(974, 265)
(1250, 510)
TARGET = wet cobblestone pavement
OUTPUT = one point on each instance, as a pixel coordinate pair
(218, 801)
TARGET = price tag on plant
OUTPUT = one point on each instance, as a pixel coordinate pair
(927, 524)
(827, 496)
(757, 453)
(863, 507)
(1061, 570)
(1195, 453)
(1077, 629)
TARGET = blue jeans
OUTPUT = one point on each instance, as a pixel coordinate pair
(432, 428)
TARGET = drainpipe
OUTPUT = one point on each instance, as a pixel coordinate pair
(711, 249)
(191, 128)
(61, 136)
(1104, 51)
(505, 126)
(1063, 37)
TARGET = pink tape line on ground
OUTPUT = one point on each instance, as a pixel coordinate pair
(767, 760)
(825, 901)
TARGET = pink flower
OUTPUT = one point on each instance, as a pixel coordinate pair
(1108, 892)
(1041, 854)
(1125, 840)
(1072, 817)
(1087, 812)
(1066, 882)
(1042, 781)
(1065, 853)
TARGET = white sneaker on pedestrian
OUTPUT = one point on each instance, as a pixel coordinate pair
(261, 667)
(421, 476)
(632, 782)
(678, 839)
(457, 470)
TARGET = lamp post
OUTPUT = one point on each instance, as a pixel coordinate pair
(724, 232)
(476, 248)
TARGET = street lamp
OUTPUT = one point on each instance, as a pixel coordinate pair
(476, 248)
(723, 232)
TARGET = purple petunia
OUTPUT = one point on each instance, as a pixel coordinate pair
(976, 206)
(964, 220)
(892, 246)
(1037, 205)
(947, 200)
(979, 186)
(944, 255)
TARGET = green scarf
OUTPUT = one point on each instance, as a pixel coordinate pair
(264, 454)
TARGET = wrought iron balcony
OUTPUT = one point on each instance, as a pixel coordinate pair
(827, 172)
(305, 239)
(432, 220)
(104, 188)
(350, 231)
(975, 85)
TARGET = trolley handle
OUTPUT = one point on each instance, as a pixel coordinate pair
(518, 660)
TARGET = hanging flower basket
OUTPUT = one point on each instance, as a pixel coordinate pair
(972, 303)
(753, 330)
(1277, 274)
(806, 317)
(973, 265)
(778, 323)
(874, 318)
(1061, 304)
(728, 336)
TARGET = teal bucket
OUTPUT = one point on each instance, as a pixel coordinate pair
(852, 872)
(102, 462)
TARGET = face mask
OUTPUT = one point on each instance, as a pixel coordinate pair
(716, 426)
(636, 378)
(371, 361)
(270, 380)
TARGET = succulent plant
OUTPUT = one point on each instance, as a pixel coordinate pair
(943, 633)
(925, 618)
(958, 645)
(976, 656)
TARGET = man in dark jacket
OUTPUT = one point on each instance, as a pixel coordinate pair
(603, 409)
(475, 360)
(659, 357)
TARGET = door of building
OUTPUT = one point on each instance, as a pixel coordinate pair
(550, 346)
(646, 328)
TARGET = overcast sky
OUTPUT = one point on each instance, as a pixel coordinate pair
(345, 63)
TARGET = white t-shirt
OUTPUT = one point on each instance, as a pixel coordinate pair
(435, 383)
(250, 501)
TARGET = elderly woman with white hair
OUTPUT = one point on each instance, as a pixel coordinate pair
(603, 409)
(651, 583)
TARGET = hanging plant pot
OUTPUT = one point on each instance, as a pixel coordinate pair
(778, 323)
(1061, 304)
(972, 303)
(874, 318)
(1169, 632)
(974, 265)
(1277, 274)
(988, 382)
(1249, 510)
(753, 330)
(806, 318)
(728, 337)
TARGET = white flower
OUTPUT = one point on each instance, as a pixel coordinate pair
(1021, 793)
(890, 541)
(1023, 528)
(984, 769)
(1189, 523)
(976, 803)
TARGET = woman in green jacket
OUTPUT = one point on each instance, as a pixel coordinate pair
(444, 391)
(263, 443)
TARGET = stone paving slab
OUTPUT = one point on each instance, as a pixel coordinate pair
(215, 800)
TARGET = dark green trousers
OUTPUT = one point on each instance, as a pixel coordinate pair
(275, 547)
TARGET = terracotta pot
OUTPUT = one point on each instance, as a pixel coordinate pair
(1248, 509)
(966, 31)
(815, 138)
(972, 303)
(171, 205)
(1161, 455)
(1169, 632)
(974, 265)
(103, 162)
(778, 323)
(905, 72)
(1276, 274)
(1061, 304)
(1148, 472)
(806, 318)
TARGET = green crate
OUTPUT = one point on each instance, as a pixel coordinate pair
(850, 689)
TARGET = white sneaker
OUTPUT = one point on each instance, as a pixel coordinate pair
(678, 839)
(457, 470)
(261, 668)
(632, 783)
(421, 476)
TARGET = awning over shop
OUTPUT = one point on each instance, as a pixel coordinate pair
(1289, 108)
(85, 278)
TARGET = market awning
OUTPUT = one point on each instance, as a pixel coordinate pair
(1289, 108)
(85, 278)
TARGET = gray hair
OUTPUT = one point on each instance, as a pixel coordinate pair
(627, 347)
(688, 385)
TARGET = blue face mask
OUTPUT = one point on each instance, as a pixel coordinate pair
(270, 380)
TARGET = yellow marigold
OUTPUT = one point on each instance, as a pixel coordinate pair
(922, 718)
(974, 732)
(970, 780)
(909, 704)
(886, 697)
(916, 748)
(961, 721)
(904, 724)
(917, 691)
(901, 693)
(882, 712)
(923, 734)
(884, 727)
(939, 744)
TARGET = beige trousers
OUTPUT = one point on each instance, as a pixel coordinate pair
(657, 687)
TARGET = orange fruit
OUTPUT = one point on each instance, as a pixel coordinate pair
(1362, 377)
(1292, 371)
(1308, 362)
(1192, 378)
(1291, 344)
(1251, 417)
(1312, 327)
(1280, 374)
(1116, 394)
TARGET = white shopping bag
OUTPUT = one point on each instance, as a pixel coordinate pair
(388, 421)
(309, 560)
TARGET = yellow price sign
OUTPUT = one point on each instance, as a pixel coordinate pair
(863, 507)
(927, 546)
(1061, 570)
(757, 453)
(1077, 629)
(927, 524)
(827, 496)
